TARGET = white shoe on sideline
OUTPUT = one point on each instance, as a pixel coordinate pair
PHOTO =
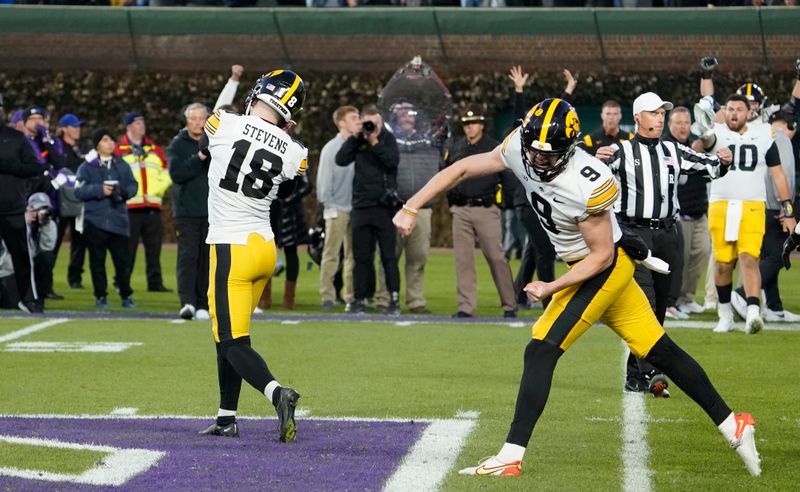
(739, 304)
(784, 316)
(753, 325)
(745, 443)
(692, 308)
(202, 315)
(258, 310)
(187, 311)
(709, 306)
(724, 325)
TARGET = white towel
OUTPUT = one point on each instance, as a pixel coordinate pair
(733, 218)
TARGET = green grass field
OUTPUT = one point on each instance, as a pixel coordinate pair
(421, 371)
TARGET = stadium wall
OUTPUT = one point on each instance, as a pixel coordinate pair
(378, 39)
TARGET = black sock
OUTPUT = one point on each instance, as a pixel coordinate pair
(247, 363)
(230, 384)
(534, 388)
(753, 301)
(687, 374)
(724, 293)
(223, 421)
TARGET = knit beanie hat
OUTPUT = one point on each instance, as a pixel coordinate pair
(98, 135)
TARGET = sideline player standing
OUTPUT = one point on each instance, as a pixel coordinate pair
(573, 193)
(251, 156)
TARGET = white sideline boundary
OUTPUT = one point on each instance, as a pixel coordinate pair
(119, 466)
(635, 450)
(31, 329)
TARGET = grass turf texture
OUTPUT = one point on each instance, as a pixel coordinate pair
(56, 460)
(433, 371)
(440, 287)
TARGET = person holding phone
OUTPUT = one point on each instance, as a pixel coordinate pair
(104, 182)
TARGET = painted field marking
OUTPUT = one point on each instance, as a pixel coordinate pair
(635, 450)
(290, 322)
(126, 411)
(113, 470)
(102, 347)
(302, 412)
(177, 321)
(31, 329)
(517, 324)
(739, 326)
(405, 323)
(432, 456)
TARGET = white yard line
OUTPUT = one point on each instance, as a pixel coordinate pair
(125, 411)
(193, 417)
(703, 325)
(635, 450)
(31, 329)
(119, 466)
(432, 456)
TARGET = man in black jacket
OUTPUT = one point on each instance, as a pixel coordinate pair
(376, 157)
(18, 165)
(188, 168)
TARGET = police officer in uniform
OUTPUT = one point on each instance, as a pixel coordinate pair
(473, 204)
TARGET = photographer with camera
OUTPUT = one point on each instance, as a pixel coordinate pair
(375, 201)
(104, 183)
(42, 235)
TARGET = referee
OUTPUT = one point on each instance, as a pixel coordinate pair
(648, 170)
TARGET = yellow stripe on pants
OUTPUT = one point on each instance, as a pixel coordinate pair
(238, 274)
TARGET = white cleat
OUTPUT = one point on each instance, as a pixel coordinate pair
(709, 306)
(724, 325)
(784, 316)
(492, 467)
(753, 325)
(202, 315)
(745, 443)
(692, 308)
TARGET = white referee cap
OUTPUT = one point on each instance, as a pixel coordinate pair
(649, 101)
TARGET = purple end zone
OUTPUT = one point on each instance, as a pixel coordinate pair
(328, 454)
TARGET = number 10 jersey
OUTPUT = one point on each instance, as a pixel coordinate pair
(753, 152)
(250, 158)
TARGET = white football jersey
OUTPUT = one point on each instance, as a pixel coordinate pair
(585, 187)
(250, 157)
(747, 172)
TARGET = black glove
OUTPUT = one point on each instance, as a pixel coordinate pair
(791, 244)
(707, 65)
(797, 68)
(633, 244)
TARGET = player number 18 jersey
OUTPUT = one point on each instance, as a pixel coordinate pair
(250, 157)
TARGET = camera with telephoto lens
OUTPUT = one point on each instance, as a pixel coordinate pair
(368, 127)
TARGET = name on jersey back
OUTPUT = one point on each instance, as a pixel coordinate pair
(267, 138)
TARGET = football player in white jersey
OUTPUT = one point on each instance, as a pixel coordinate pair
(253, 161)
(737, 207)
(573, 194)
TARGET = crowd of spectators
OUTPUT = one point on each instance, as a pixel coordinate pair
(108, 197)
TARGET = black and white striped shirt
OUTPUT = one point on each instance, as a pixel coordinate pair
(648, 170)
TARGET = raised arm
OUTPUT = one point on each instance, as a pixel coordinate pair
(469, 167)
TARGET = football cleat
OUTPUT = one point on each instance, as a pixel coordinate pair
(691, 308)
(780, 316)
(492, 467)
(287, 402)
(753, 325)
(745, 443)
(230, 430)
(724, 325)
(202, 315)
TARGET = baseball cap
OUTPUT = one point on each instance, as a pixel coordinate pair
(70, 119)
(649, 101)
(32, 111)
(130, 117)
(38, 200)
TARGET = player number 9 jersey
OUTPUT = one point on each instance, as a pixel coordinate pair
(250, 158)
(585, 187)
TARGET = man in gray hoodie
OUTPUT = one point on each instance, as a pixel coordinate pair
(335, 193)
